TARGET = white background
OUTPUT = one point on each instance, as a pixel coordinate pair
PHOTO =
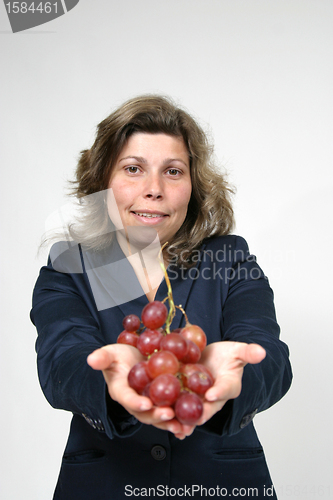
(258, 74)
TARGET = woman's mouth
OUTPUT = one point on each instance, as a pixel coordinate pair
(146, 214)
(152, 216)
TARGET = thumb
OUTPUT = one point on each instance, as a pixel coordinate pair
(101, 359)
(251, 353)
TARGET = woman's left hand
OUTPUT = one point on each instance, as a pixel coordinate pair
(226, 361)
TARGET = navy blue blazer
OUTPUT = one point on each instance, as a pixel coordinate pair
(109, 454)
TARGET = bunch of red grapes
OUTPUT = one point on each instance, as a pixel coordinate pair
(171, 374)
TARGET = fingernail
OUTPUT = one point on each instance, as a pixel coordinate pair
(145, 407)
(165, 417)
(211, 398)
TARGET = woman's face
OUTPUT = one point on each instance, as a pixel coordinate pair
(151, 183)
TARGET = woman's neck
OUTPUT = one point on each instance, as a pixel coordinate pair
(144, 256)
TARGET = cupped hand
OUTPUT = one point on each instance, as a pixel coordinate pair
(226, 361)
(115, 361)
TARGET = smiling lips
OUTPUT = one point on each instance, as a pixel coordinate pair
(151, 215)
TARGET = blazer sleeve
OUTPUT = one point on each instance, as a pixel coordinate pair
(248, 315)
(68, 331)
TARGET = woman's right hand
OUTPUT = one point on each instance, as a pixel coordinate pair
(115, 361)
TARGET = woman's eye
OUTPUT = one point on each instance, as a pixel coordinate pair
(132, 169)
(173, 171)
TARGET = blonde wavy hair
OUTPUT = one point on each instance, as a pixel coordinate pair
(209, 212)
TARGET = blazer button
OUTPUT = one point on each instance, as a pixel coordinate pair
(158, 452)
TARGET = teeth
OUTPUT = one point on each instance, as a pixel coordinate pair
(143, 214)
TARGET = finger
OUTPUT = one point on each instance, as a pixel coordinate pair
(180, 436)
(180, 431)
(250, 353)
(155, 415)
(164, 418)
(100, 359)
(173, 426)
(227, 386)
(188, 429)
(121, 392)
(162, 422)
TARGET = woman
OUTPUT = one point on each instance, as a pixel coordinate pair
(148, 182)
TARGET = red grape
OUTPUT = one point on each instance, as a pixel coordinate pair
(199, 382)
(131, 323)
(175, 343)
(164, 390)
(149, 341)
(204, 369)
(193, 353)
(145, 391)
(188, 408)
(196, 334)
(154, 315)
(129, 338)
(138, 376)
(162, 362)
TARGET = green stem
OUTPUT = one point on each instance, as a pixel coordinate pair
(172, 307)
(183, 311)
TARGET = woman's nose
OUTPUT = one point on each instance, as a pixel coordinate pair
(153, 187)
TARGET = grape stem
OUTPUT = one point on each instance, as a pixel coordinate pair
(172, 307)
(183, 311)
